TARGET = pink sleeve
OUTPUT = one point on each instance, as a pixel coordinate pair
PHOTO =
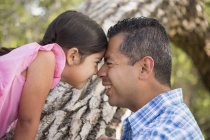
(60, 60)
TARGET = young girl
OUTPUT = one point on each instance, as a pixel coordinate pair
(70, 50)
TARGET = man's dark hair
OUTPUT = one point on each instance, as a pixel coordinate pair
(145, 37)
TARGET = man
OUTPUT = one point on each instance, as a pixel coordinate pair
(136, 75)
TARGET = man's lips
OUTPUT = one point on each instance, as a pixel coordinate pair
(107, 85)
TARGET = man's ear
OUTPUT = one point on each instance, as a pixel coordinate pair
(146, 67)
(72, 56)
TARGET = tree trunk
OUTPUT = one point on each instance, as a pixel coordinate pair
(86, 114)
(76, 115)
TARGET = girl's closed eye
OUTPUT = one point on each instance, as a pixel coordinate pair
(97, 62)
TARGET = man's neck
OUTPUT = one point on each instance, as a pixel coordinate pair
(145, 95)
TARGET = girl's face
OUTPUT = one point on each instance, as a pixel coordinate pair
(79, 70)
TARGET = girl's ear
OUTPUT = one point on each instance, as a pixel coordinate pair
(145, 67)
(72, 57)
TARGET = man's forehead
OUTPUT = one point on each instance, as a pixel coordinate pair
(112, 55)
(114, 45)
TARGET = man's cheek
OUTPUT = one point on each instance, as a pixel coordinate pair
(116, 77)
(111, 74)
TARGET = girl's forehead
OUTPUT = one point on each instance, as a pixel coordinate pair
(94, 56)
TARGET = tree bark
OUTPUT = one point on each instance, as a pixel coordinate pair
(86, 114)
(73, 114)
(79, 114)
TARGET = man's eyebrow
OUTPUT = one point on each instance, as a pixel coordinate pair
(106, 58)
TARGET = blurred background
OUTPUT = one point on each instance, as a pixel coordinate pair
(24, 21)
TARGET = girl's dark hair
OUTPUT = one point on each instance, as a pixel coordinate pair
(74, 29)
(4, 51)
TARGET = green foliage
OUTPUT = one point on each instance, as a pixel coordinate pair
(9, 13)
(21, 25)
(207, 9)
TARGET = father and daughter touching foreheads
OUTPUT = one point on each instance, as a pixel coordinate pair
(136, 73)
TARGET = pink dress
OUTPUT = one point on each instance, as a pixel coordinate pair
(12, 82)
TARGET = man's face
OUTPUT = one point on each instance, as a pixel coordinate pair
(118, 76)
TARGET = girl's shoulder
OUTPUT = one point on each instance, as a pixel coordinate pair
(50, 53)
(19, 59)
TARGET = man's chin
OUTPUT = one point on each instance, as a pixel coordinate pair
(111, 102)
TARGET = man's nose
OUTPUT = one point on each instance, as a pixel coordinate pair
(102, 72)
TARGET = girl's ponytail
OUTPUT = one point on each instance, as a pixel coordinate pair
(4, 50)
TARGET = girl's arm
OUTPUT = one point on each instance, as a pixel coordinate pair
(39, 79)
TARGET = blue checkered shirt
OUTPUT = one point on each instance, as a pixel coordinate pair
(165, 117)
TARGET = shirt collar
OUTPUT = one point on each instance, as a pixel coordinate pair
(153, 108)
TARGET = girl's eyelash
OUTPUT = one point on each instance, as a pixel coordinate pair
(98, 62)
